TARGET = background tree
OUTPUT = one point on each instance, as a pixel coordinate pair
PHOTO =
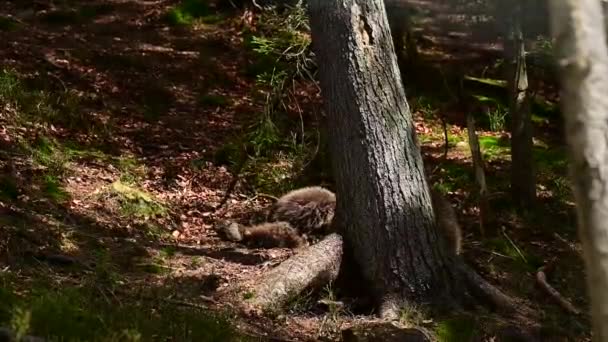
(523, 182)
(578, 28)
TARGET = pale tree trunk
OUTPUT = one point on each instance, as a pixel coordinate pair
(579, 30)
(485, 216)
(523, 180)
(384, 206)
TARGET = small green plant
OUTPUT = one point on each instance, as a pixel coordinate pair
(189, 12)
(53, 189)
(105, 271)
(49, 154)
(523, 260)
(493, 148)
(8, 24)
(196, 262)
(131, 170)
(20, 322)
(412, 315)
(456, 329)
(154, 268)
(497, 118)
(167, 252)
(300, 302)
(27, 105)
(285, 39)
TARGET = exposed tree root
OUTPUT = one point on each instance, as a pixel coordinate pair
(319, 264)
(491, 295)
(541, 279)
(312, 267)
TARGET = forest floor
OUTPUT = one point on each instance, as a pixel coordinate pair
(113, 122)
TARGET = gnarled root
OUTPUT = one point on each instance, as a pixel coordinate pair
(312, 267)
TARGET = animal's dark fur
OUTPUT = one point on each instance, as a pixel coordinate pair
(446, 222)
(311, 209)
(307, 209)
(265, 235)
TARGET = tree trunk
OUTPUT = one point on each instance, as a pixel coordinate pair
(383, 203)
(523, 181)
(578, 28)
(485, 215)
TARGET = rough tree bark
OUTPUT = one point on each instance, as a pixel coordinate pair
(384, 207)
(311, 268)
(579, 31)
(383, 202)
(523, 180)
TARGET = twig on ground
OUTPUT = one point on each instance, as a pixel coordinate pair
(541, 279)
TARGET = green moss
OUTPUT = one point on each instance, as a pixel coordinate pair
(137, 203)
(189, 11)
(456, 330)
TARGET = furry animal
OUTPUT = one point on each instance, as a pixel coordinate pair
(310, 210)
(446, 222)
(295, 215)
(265, 235)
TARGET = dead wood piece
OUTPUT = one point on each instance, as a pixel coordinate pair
(314, 266)
(383, 331)
(541, 279)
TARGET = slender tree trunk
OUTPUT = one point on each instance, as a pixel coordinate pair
(400, 24)
(523, 180)
(580, 35)
(485, 216)
(384, 206)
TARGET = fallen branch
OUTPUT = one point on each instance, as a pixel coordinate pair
(541, 279)
(482, 289)
(312, 267)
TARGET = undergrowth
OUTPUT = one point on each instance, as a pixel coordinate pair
(279, 143)
(89, 313)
